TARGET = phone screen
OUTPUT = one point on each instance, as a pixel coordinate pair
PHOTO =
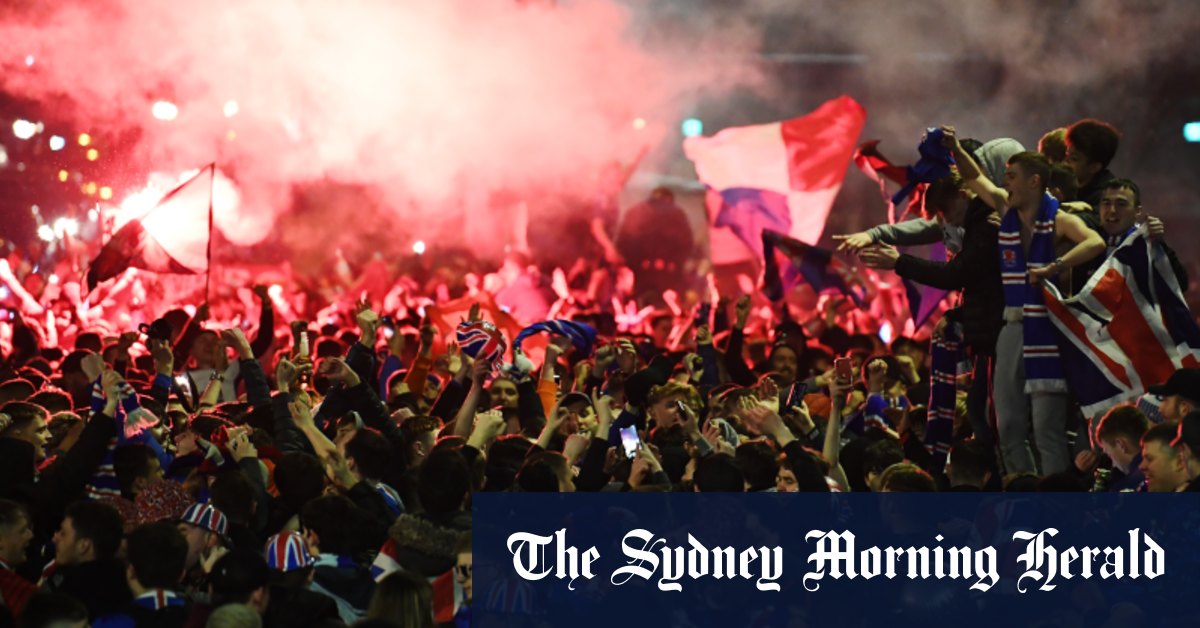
(844, 369)
(630, 441)
(795, 394)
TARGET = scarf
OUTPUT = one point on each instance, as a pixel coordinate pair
(1115, 241)
(945, 354)
(1043, 369)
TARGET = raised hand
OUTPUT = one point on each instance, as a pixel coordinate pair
(261, 292)
(703, 335)
(239, 444)
(301, 415)
(236, 338)
(742, 309)
(336, 369)
(286, 374)
(853, 242)
(92, 366)
(879, 256)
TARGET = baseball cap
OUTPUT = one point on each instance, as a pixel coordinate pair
(1189, 432)
(206, 516)
(1184, 382)
(574, 398)
(287, 551)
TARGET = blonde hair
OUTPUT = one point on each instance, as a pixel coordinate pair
(690, 395)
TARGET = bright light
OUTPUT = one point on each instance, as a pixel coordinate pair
(419, 247)
(93, 214)
(35, 210)
(84, 139)
(67, 226)
(57, 142)
(106, 193)
(53, 279)
(231, 135)
(63, 175)
(1191, 131)
(164, 110)
(692, 127)
(3, 157)
(275, 291)
(29, 60)
(231, 108)
(24, 129)
(639, 123)
(46, 233)
(885, 333)
(93, 154)
(89, 188)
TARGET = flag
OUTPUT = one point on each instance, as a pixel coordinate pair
(481, 340)
(1129, 328)
(446, 316)
(935, 163)
(781, 176)
(173, 237)
(582, 335)
(798, 263)
(924, 300)
(880, 169)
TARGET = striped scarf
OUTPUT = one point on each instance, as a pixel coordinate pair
(945, 354)
(1115, 241)
(1043, 369)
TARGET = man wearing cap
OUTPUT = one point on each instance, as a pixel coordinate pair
(293, 603)
(204, 527)
(1178, 394)
(1187, 442)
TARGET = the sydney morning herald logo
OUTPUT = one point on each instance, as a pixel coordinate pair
(837, 554)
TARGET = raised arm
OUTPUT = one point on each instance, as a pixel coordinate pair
(464, 419)
(972, 174)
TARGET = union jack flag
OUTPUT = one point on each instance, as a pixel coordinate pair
(1128, 329)
(481, 340)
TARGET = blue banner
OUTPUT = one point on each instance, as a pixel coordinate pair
(802, 559)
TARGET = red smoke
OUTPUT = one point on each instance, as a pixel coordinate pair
(430, 103)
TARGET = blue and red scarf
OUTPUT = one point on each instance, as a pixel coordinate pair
(945, 355)
(1043, 369)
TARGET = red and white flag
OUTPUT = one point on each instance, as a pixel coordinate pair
(173, 237)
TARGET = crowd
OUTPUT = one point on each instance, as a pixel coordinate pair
(308, 456)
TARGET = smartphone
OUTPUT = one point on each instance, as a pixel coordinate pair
(630, 441)
(703, 314)
(795, 395)
(844, 369)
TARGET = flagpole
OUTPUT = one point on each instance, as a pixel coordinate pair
(212, 182)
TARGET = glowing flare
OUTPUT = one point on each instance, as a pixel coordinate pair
(639, 123)
(230, 109)
(164, 110)
(57, 142)
(63, 175)
(24, 129)
(419, 247)
(93, 154)
(84, 139)
(106, 193)
(46, 232)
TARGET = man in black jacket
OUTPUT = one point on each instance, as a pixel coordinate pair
(85, 559)
(975, 270)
